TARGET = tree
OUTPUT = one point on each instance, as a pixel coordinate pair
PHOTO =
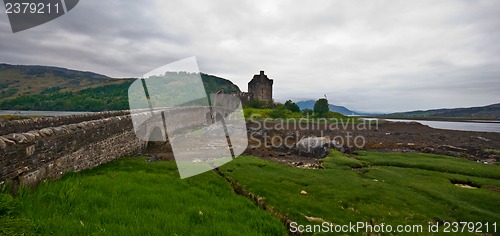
(255, 103)
(307, 112)
(280, 111)
(321, 107)
(292, 106)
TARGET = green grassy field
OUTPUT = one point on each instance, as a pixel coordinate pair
(134, 197)
(390, 188)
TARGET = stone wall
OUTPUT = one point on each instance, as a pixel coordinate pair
(25, 125)
(28, 157)
(52, 146)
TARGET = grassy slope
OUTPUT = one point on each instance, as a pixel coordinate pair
(418, 192)
(18, 81)
(133, 197)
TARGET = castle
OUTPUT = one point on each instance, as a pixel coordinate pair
(259, 88)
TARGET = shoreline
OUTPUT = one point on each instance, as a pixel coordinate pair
(387, 137)
(448, 119)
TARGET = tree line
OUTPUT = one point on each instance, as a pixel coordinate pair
(109, 97)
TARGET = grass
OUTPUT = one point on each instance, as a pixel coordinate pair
(134, 197)
(14, 117)
(298, 117)
(256, 112)
(387, 188)
(432, 162)
(497, 151)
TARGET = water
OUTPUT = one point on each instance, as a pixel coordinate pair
(476, 125)
(40, 113)
(472, 125)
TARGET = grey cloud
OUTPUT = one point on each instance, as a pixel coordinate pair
(367, 55)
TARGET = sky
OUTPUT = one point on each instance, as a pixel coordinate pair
(370, 55)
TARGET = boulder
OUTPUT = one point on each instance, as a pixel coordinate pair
(316, 147)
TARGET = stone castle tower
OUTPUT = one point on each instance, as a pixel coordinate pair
(261, 88)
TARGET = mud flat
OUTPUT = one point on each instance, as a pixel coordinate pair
(272, 140)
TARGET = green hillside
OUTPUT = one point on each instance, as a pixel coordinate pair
(485, 112)
(58, 89)
(21, 80)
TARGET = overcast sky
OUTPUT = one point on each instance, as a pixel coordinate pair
(375, 56)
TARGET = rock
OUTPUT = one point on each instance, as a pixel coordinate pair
(19, 138)
(30, 137)
(7, 141)
(35, 133)
(317, 147)
(303, 192)
(452, 148)
(314, 219)
(484, 139)
(428, 150)
(46, 132)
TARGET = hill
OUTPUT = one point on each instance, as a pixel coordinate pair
(21, 80)
(59, 89)
(309, 104)
(484, 112)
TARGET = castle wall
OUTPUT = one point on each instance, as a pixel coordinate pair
(261, 87)
(261, 91)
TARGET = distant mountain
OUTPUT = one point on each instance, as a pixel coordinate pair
(309, 104)
(485, 112)
(59, 89)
